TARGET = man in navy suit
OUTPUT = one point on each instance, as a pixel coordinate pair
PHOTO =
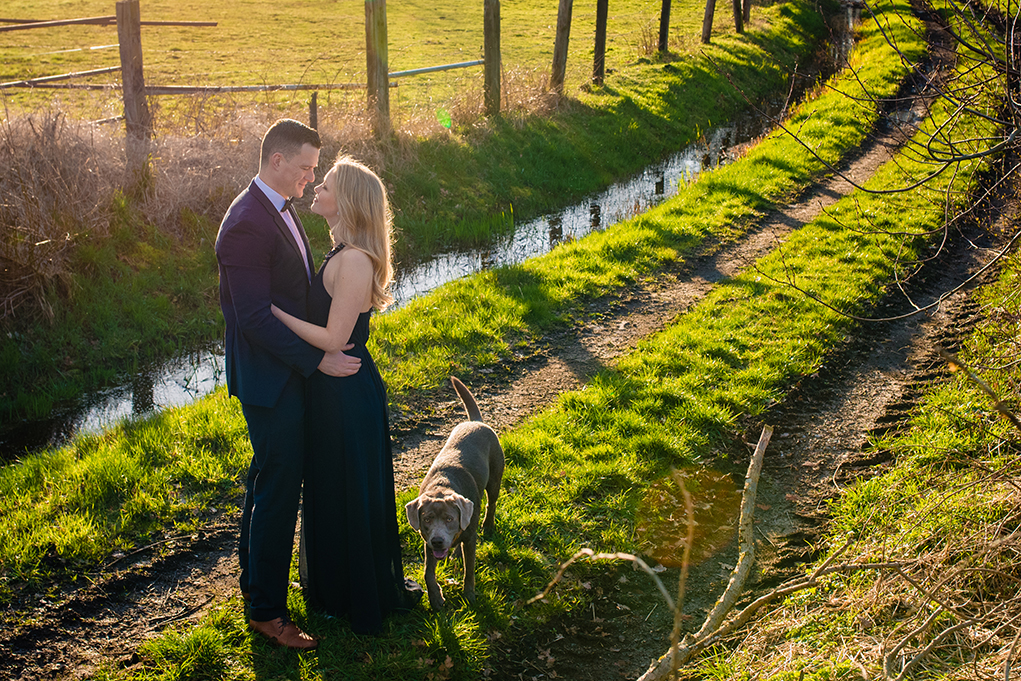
(263, 256)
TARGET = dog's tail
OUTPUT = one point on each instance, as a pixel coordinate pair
(466, 396)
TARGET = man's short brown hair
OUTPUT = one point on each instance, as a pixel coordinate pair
(287, 136)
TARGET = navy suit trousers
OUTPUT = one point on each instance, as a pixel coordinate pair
(272, 497)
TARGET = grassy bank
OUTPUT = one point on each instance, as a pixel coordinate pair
(939, 528)
(136, 282)
(577, 472)
(931, 545)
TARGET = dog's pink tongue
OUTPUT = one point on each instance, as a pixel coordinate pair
(440, 554)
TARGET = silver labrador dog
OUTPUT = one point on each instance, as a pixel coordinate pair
(446, 512)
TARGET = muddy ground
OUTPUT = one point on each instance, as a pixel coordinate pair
(819, 446)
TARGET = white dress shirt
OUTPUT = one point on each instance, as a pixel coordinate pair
(278, 201)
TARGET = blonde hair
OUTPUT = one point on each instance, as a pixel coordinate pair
(365, 220)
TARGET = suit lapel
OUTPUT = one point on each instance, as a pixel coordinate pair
(278, 220)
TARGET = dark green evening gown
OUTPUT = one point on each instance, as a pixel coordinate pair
(352, 561)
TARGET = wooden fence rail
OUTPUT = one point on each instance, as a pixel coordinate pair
(25, 24)
(35, 82)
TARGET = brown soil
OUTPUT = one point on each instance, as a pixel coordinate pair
(821, 430)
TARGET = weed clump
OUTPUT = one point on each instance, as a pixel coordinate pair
(56, 190)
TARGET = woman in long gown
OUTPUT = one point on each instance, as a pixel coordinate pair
(352, 545)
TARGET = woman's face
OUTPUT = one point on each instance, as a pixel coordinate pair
(325, 203)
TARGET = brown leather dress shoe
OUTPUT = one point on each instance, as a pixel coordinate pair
(284, 633)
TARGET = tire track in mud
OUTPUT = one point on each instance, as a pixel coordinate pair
(68, 634)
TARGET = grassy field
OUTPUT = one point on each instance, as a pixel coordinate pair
(299, 41)
(577, 472)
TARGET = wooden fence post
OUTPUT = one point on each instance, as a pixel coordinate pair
(664, 26)
(491, 46)
(377, 66)
(599, 60)
(560, 46)
(136, 109)
(313, 111)
(707, 21)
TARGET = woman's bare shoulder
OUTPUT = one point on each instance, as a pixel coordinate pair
(351, 254)
(350, 264)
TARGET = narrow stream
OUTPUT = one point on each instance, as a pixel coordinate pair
(189, 377)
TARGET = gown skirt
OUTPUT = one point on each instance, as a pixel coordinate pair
(352, 551)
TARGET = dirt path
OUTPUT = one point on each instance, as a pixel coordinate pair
(817, 448)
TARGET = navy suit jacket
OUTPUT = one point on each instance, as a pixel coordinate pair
(259, 264)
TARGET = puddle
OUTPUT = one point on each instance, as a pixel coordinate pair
(663, 523)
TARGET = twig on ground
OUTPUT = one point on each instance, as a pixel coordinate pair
(928, 649)
(147, 547)
(1010, 655)
(998, 405)
(592, 555)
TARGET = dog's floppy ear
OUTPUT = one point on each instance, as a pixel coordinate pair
(467, 507)
(412, 510)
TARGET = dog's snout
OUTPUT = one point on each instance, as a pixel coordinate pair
(437, 542)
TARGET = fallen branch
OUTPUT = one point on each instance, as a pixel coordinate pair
(682, 652)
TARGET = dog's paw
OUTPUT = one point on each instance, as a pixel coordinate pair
(437, 601)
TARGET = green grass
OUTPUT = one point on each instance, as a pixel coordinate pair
(134, 297)
(945, 507)
(577, 471)
(73, 507)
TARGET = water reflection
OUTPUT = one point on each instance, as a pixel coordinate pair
(620, 201)
(663, 526)
(169, 384)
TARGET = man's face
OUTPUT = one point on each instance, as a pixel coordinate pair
(295, 173)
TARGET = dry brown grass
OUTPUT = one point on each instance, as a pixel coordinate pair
(57, 188)
(62, 175)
